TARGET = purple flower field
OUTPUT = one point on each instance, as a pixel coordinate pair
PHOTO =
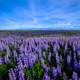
(40, 58)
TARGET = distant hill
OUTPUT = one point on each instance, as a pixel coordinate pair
(39, 32)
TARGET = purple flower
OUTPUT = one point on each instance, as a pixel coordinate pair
(68, 59)
(79, 65)
(46, 68)
(59, 69)
(15, 54)
(44, 55)
(75, 64)
(12, 75)
(6, 59)
(57, 59)
(54, 72)
(60, 58)
(1, 60)
(49, 57)
(21, 75)
(31, 60)
(74, 76)
(46, 77)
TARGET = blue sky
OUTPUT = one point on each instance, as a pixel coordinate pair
(39, 14)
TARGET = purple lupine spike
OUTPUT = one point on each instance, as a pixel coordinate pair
(78, 52)
(1, 60)
(12, 74)
(15, 54)
(44, 54)
(42, 61)
(46, 68)
(49, 57)
(30, 63)
(25, 61)
(78, 46)
(54, 72)
(46, 47)
(57, 59)
(1, 47)
(59, 69)
(74, 76)
(6, 59)
(66, 46)
(21, 75)
(46, 77)
(7, 51)
(19, 64)
(68, 59)
(75, 64)
(74, 56)
(74, 48)
(31, 60)
(60, 58)
(79, 65)
(55, 48)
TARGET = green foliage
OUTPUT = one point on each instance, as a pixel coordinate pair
(11, 47)
(53, 60)
(68, 50)
(27, 72)
(3, 71)
(36, 72)
(67, 69)
(12, 63)
(68, 72)
(2, 53)
(59, 77)
(45, 62)
(63, 64)
(47, 54)
(62, 51)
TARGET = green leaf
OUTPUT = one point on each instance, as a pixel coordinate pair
(3, 71)
(2, 53)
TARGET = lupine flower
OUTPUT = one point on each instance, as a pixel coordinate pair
(1, 60)
(59, 69)
(44, 55)
(68, 59)
(75, 64)
(57, 59)
(12, 75)
(46, 68)
(27, 51)
(79, 65)
(1, 47)
(6, 59)
(49, 57)
(60, 58)
(54, 71)
(74, 76)
(15, 54)
(21, 75)
(46, 77)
